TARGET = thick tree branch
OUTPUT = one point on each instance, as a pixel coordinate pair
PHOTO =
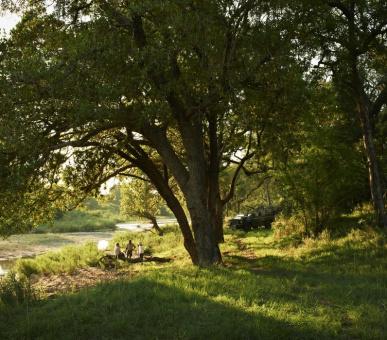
(248, 156)
(378, 103)
(85, 139)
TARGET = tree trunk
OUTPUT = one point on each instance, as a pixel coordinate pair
(218, 221)
(376, 183)
(189, 242)
(214, 200)
(146, 165)
(196, 192)
(176, 208)
(155, 225)
(205, 234)
(375, 176)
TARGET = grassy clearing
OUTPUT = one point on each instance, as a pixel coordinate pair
(323, 289)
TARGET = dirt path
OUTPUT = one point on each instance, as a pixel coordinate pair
(246, 253)
(82, 278)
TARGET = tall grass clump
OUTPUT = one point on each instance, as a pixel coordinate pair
(288, 232)
(67, 260)
(15, 290)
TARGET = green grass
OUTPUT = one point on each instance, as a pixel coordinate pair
(67, 260)
(81, 221)
(323, 289)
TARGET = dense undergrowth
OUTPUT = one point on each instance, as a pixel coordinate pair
(325, 288)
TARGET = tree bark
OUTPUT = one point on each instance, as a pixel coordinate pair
(155, 225)
(214, 200)
(196, 193)
(376, 179)
(204, 231)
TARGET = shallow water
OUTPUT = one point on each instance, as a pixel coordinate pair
(143, 226)
(102, 238)
(5, 266)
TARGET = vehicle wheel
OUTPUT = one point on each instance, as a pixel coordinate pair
(247, 227)
(267, 225)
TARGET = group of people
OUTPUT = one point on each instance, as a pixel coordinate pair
(129, 250)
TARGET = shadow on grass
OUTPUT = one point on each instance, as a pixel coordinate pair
(346, 284)
(150, 309)
(325, 295)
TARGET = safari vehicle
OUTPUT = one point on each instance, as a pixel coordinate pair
(260, 217)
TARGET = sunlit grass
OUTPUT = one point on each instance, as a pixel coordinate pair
(321, 289)
(67, 260)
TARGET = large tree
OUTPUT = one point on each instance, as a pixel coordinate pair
(93, 89)
(325, 175)
(349, 37)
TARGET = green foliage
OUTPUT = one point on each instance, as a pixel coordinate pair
(94, 216)
(65, 261)
(325, 175)
(139, 198)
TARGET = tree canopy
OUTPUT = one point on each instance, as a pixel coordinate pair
(180, 90)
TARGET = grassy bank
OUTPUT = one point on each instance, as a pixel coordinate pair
(266, 289)
(29, 245)
(81, 221)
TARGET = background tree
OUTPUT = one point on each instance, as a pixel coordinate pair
(140, 198)
(349, 39)
(324, 174)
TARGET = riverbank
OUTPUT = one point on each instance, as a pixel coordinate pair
(322, 289)
(30, 245)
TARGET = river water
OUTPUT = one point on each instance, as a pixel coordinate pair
(143, 226)
(7, 264)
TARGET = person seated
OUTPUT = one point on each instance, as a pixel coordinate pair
(117, 251)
